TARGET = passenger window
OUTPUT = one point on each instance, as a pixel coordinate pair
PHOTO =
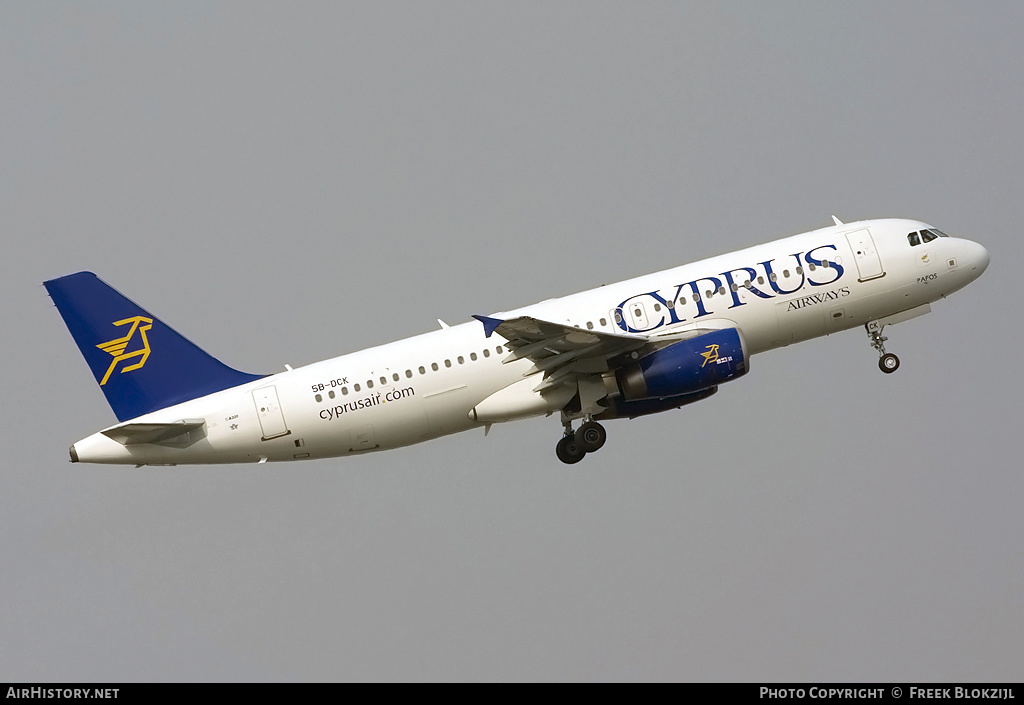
(433, 366)
(604, 322)
(472, 356)
(383, 380)
(369, 384)
(462, 360)
(487, 352)
(447, 363)
(408, 373)
(344, 391)
(330, 394)
(356, 386)
(422, 370)
(590, 325)
(395, 376)
(499, 350)
(319, 398)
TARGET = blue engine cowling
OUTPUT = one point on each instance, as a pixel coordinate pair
(618, 408)
(686, 367)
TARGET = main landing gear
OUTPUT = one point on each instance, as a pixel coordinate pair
(588, 438)
(887, 362)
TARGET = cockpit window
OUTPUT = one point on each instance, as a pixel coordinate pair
(926, 235)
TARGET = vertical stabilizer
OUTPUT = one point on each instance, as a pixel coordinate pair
(140, 363)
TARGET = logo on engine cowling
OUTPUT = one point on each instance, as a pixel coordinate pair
(710, 355)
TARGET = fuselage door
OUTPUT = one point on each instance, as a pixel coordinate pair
(869, 265)
(268, 407)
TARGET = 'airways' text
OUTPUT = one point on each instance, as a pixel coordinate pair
(805, 301)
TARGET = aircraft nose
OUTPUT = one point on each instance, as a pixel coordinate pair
(977, 257)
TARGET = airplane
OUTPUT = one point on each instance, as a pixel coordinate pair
(624, 350)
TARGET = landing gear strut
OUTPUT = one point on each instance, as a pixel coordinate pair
(588, 438)
(887, 362)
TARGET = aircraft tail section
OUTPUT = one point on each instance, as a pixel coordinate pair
(140, 363)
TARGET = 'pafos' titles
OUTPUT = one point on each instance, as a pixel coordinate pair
(733, 282)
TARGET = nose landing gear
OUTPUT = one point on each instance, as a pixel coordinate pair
(887, 361)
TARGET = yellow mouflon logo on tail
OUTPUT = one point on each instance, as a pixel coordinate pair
(118, 346)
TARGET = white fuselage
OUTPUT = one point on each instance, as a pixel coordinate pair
(423, 387)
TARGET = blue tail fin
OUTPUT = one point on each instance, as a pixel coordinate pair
(140, 363)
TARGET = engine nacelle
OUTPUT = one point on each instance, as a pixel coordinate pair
(686, 367)
(619, 408)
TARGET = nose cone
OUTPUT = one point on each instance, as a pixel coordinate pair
(977, 258)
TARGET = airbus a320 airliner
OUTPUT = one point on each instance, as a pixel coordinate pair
(638, 347)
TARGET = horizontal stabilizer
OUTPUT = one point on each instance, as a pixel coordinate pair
(179, 433)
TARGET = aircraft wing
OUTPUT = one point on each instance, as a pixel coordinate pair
(562, 352)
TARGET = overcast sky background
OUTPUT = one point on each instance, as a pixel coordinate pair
(287, 182)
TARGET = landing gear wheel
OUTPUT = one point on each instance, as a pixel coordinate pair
(591, 436)
(569, 451)
(888, 363)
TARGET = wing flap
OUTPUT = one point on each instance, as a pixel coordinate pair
(560, 351)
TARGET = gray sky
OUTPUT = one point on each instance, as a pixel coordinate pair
(287, 182)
